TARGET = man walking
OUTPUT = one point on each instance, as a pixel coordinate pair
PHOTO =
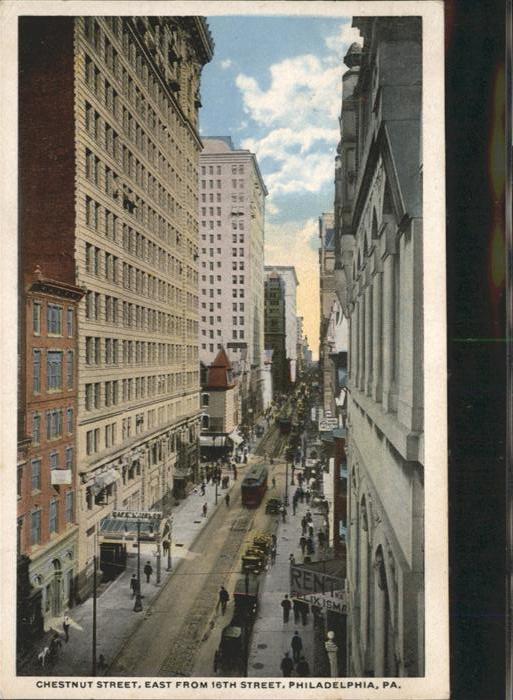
(304, 525)
(223, 599)
(286, 665)
(286, 605)
(303, 668)
(297, 646)
(204, 510)
(148, 570)
(65, 627)
(133, 585)
(302, 544)
(296, 607)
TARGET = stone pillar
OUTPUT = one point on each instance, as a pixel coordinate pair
(369, 353)
(361, 344)
(331, 649)
(377, 333)
(388, 329)
(379, 626)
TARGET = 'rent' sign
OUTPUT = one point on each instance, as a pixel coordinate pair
(318, 588)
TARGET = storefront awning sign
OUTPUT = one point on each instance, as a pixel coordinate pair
(236, 438)
(103, 480)
(318, 588)
(212, 440)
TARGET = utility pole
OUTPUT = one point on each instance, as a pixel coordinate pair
(138, 597)
(94, 616)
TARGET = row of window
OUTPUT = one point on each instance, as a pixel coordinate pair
(108, 266)
(209, 169)
(235, 293)
(123, 390)
(54, 370)
(109, 351)
(54, 419)
(54, 319)
(211, 184)
(36, 518)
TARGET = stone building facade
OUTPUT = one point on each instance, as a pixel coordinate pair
(327, 299)
(47, 476)
(379, 284)
(291, 282)
(108, 183)
(231, 254)
(275, 331)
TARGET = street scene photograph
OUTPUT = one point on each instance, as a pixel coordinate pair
(221, 346)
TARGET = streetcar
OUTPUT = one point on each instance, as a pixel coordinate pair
(254, 485)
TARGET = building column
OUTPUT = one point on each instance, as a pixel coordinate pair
(377, 332)
(361, 348)
(388, 330)
(369, 353)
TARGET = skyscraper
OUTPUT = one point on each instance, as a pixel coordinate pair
(108, 184)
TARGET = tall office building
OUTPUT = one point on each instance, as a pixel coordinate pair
(291, 282)
(231, 212)
(109, 150)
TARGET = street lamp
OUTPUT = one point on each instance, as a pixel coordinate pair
(138, 598)
(168, 543)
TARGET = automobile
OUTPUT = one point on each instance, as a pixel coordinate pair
(259, 430)
(273, 505)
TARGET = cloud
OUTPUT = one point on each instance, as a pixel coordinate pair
(342, 39)
(227, 63)
(292, 244)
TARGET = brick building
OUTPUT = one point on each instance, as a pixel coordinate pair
(108, 186)
(47, 532)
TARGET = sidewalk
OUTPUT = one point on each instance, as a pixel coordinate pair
(116, 619)
(271, 636)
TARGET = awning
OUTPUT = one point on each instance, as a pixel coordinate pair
(212, 440)
(236, 438)
(103, 480)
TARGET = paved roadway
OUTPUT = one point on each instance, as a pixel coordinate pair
(184, 615)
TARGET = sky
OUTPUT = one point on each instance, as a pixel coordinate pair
(274, 86)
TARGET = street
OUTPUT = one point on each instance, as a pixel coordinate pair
(169, 638)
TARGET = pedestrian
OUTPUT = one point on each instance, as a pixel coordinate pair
(65, 627)
(307, 496)
(296, 607)
(286, 665)
(202, 493)
(234, 473)
(320, 537)
(224, 597)
(148, 570)
(308, 517)
(283, 512)
(292, 559)
(133, 585)
(286, 606)
(304, 524)
(302, 544)
(310, 546)
(302, 668)
(273, 539)
(227, 500)
(297, 646)
(294, 506)
(273, 482)
(273, 554)
(304, 609)
(310, 530)
(217, 660)
(204, 510)
(302, 496)
(101, 663)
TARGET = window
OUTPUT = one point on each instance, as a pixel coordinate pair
(92, 441)
(54, 520)
(54, 318)
(36, 319)
(205, 399)
(69, 420)
(35, 527)
(70, 322)
(53, 424)
(36, 429)
(36, 475)
(70, 506)
(54, 370)
(69, 458)
(54, 460)
(36, 371)
(69, 369)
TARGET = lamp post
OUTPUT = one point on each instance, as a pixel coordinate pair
(168, 542)
(332, 649)
(138, 597)
(286, 498)
(158, 563)
(93, 672)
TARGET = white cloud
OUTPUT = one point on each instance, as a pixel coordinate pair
(227, 63)
(271, 208)
(342, 39)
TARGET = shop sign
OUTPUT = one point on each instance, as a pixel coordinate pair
(61, 476)
(137, 514)
(320, 589)
(326, 424)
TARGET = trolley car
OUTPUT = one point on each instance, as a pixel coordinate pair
(254, 485)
